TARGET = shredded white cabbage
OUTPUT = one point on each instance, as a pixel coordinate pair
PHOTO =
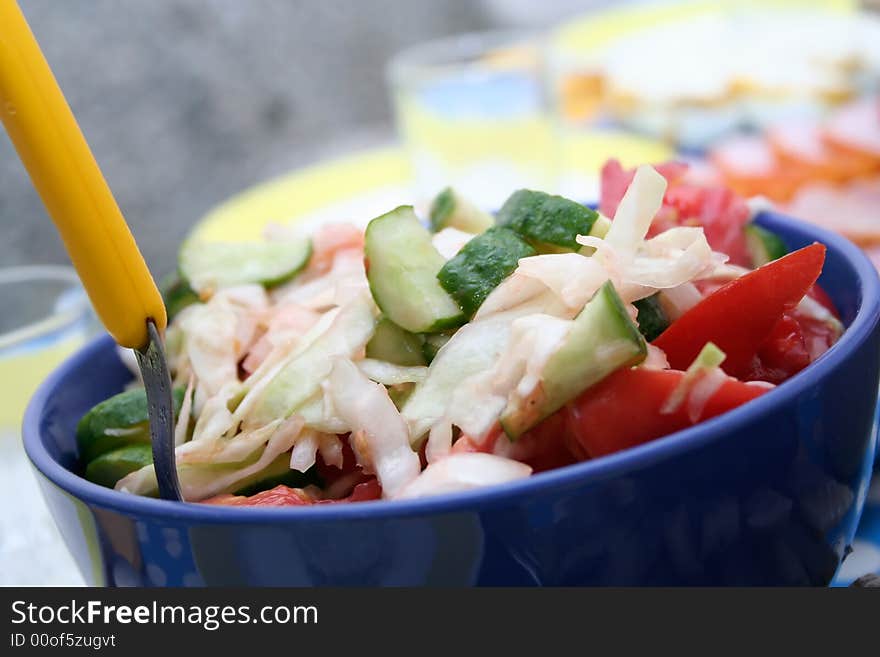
(282, 376)
(706, 367)
(389, 374)
(301, 375)
(450, 241)
(461, 472)
(182, 427)
(215, 419)
(379, 435)
(212, 467)
(676, 301)
(636, 211)
(330, 448)
(345, 281)
(305, 449)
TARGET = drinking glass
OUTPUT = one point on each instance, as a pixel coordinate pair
(46, 317)
(471, 113)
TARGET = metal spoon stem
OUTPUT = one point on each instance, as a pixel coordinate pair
(157, 381)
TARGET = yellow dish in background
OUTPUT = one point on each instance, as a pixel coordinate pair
(362, 185)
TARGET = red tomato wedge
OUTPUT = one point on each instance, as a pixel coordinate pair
(281, 495)
(624, 410)
(739, 316)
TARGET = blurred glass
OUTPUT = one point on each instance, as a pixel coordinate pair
(46, 317)
(471, 112)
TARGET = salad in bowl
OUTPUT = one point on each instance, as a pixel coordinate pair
(413, 358)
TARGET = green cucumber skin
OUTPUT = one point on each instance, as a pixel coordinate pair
(222, 249)
(433, 343)
(127, 410)
(450, 210)
(395, 345)
(481, 265)
(652, 319)
(111, 466)
(763, 245)
(402, 266)
(574, 368)
(545, 219)
(177, 295)
(441, 208)
(271, 282)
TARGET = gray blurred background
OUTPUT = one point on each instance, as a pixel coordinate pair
(186, 102)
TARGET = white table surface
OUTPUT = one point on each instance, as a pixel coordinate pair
(32, 552)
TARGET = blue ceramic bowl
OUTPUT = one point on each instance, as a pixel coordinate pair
(769, 493)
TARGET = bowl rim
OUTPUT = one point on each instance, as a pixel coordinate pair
(593, 471)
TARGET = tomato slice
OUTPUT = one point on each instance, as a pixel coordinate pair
(281, 495)
(740, 315)
(546, 446)
(624, 410)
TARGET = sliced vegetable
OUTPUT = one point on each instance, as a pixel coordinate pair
(278, 472)
(389, 374)
(739, 316)
(707, 363)
(626, 409)
(177, 295)
(300, 377)
(602, 339)
(544, 219)
(600, 229)
(763, 245)
(395, 345)
(432, 344)
(120, 421)
(481, 265)
(209, 266)
(379, 434)
(465, 471)
(113, 465)
(402, 267)
(473, 349)
(450, 241)
(652, 319)
(450, 210)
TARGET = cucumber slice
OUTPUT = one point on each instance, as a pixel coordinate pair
(110, 467)
(451, 210)
(601, 340)
(394, 345)
(432, 344)
(120, 421)
(177, 295)
(481, 265)
(402, 271)
(600, 227)
(652, 319)
(209, 266)
(763, 245)
(546, 220)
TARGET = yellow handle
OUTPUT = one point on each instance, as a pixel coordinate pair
(66, 175)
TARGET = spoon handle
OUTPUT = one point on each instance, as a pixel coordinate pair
(68, 179)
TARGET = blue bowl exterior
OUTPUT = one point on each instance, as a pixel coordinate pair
(768, 494)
